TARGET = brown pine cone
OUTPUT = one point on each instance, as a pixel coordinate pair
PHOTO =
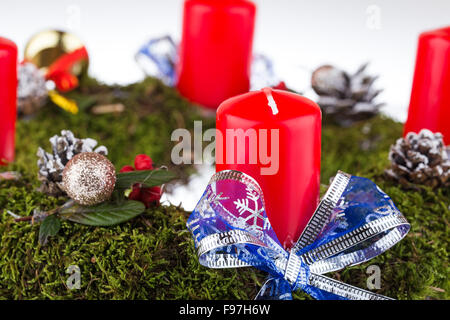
(420, 159)
(343, 97)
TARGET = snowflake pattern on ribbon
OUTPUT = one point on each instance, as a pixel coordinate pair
(250, 212)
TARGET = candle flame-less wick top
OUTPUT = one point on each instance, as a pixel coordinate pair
(270, 100)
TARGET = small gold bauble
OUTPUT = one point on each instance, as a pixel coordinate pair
(46, 47)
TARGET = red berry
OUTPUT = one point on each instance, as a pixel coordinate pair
(150, 196)
(143, 162)
(135, 194)
(126, 168)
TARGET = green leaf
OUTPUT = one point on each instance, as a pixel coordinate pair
(148, 178)
(49, 227)
(104, 214)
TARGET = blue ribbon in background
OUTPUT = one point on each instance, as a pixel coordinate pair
(354, 222)
(158, 57)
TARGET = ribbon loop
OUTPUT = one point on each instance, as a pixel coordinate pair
(354, 222)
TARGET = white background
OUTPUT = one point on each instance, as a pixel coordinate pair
(297, 35)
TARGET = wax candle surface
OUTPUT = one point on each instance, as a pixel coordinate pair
(216, 50)
(430, 97)
(291, 194)
(8, 99)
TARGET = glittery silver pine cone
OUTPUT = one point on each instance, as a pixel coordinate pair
(89, 178)
(64, 148)
(31, 90)
(343, 97)
(420, 159)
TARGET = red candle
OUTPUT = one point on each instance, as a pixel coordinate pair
(8, 99)
(216, 50)
(430, 97)
(287, 128)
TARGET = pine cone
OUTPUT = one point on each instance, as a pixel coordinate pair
(420, 159)
(31, 89)
(345, 98)
(51, 165)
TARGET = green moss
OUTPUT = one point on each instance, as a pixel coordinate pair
(152, 256)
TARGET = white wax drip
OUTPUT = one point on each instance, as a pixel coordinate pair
(270, 100)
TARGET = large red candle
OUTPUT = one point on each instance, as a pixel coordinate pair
(216, 50)
(430, 97)
(291, 186)
(8, 99)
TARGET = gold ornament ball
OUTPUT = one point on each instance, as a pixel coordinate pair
(89, 178)
(46, 47)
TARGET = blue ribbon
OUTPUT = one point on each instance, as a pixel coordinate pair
(157, 58)
(354, 222)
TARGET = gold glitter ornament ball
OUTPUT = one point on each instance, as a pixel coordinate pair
(89, 178)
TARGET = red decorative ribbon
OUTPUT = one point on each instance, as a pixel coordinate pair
(60, 71)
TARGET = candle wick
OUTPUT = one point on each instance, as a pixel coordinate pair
(270, 100)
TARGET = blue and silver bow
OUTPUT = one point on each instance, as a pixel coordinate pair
(354, 222)
(158, 57)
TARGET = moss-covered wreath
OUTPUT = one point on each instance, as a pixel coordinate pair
(152, 256)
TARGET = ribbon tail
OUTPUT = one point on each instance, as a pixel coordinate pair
(275, 289)
(324, 288)
(62, 102)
